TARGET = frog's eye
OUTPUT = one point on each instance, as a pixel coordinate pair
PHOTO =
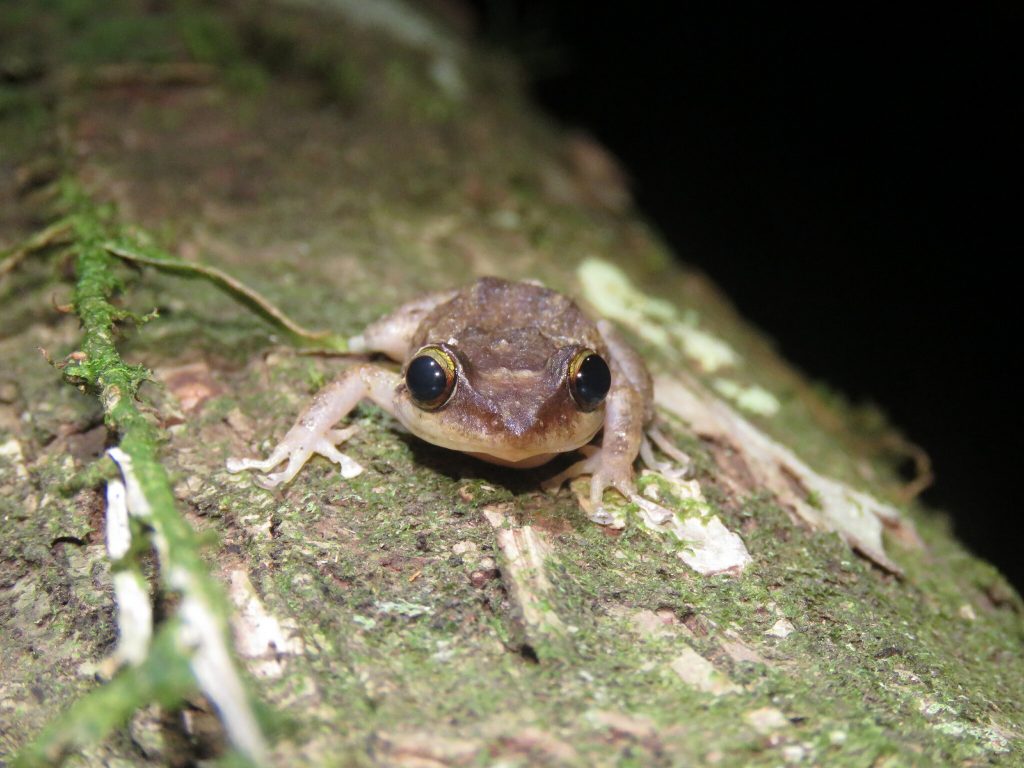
(589, 379)
(430, 378)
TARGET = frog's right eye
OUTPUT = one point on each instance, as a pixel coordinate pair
(589, 379)
(430, 377)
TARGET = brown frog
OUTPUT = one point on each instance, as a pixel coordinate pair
(512, 373)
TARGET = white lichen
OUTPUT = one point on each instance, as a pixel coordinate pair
(409, 25)
(703, 348)
(526, 550)
(781, 629)
(402, 608)
(260, 636)
(700, 674)
(611, 293)
(765, 720)
(751, 398)
(11, 450)
(676, 508)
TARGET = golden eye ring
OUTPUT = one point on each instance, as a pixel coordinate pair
(430, 377)
(589, 379)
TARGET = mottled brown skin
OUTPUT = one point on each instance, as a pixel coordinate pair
(511, 404)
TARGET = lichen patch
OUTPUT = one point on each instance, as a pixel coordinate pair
(260, 636)
(11, 451)
(676, 509)
(751, 398)
(781, 629)
(609, 290)
(526, 549)
(700, 674)
(765, 720)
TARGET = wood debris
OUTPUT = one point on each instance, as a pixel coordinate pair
(819, 502)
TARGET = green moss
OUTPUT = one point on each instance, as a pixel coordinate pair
(106, 38)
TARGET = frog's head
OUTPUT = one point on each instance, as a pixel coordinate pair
(516, 399)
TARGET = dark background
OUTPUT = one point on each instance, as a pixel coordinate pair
(851, 178)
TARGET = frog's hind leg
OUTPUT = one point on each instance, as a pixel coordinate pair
(679, 464)
(391, 334)
(584, 467)
(314, 432)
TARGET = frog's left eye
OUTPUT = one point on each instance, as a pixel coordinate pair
(589, 379)
(430, 377)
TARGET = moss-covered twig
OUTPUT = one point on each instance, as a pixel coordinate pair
(203, 610)
(192, 649)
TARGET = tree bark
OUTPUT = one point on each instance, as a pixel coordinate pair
(800, 608)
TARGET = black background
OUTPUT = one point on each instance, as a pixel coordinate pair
(850, 177)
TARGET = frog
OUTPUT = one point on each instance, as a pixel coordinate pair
(512, 373)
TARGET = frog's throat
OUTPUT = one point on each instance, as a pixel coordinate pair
(527, 463)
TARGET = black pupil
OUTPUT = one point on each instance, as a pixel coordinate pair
(593, 380)
(426, 379)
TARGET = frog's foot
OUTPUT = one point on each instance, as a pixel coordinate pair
(622, 482)
(591, 465)
(298, 446)
(603, 477)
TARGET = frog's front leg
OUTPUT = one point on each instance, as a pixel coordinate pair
(314, 432)
(612, 465)
(628, 408)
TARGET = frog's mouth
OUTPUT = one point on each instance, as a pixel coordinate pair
(488, 438)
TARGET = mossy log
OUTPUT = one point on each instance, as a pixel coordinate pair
(799, 608)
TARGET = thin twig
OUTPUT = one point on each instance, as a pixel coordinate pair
(233, 286)
(37, 242)
(924, 476)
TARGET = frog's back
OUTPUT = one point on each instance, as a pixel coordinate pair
(511, 325)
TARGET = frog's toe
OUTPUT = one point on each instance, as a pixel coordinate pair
(337, 436)
(240, 465)
(601, 516)
(349, 467)
(296, 459)
(602, 480)
(270, 482)
(656, 514)
(237, 465)
(278, 455)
